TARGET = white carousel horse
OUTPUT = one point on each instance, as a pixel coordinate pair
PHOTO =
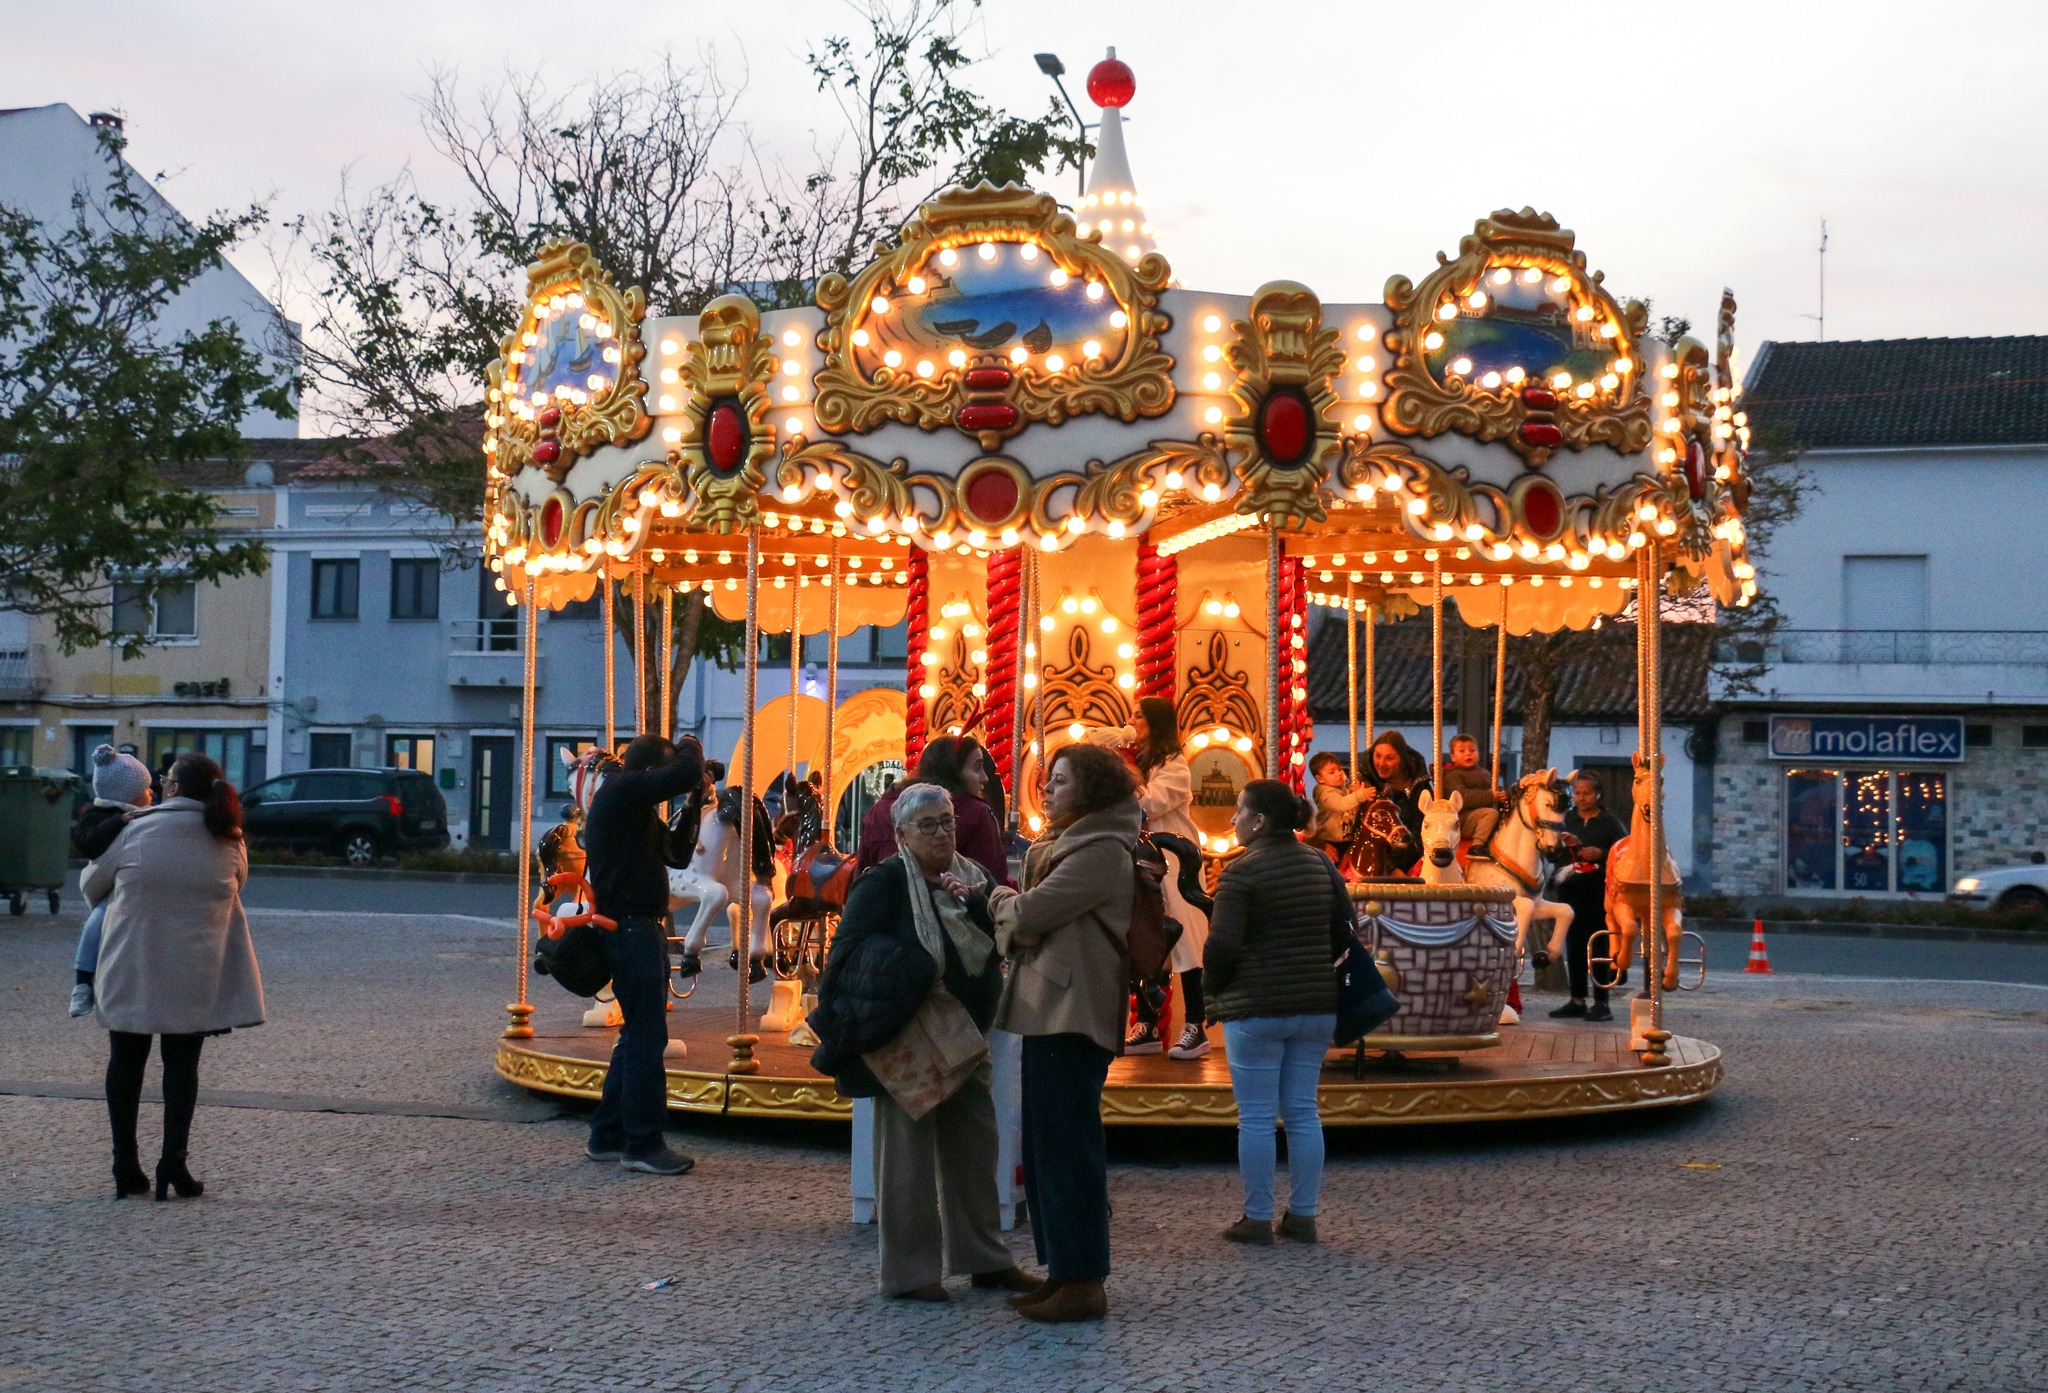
(716, 882)
(1628, 882)
(1530, 831)
(1440, 824)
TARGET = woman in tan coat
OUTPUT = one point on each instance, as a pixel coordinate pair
(175, 960)
(1064, 934)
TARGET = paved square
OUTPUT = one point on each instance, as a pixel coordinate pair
(383, 1212)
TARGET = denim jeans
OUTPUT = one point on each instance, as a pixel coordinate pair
(634, 1105)
(1275, 1064)
(88, 959)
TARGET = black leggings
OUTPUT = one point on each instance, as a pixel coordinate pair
(126, 1056)
(1192, 1003)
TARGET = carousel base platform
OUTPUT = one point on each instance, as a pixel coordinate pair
(1537, 1070)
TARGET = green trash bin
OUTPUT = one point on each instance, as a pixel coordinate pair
(35, 832)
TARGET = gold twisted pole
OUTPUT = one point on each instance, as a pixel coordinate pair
(521, 1011)
(1500, 683)
(640, 644)
(611, 681)
(1649, 620)
(1351, 666)
(831, 686)
(668, 655)
(742, 1040)
(1372, 629)
(796, 658)
(1436, 674)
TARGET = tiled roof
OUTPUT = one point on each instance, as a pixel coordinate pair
(1596, 683)
(1887, 392)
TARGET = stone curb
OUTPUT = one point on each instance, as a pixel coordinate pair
(381, 873)
(1928, 933)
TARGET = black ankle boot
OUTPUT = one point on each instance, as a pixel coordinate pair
(129, 1178)
(172, 1175)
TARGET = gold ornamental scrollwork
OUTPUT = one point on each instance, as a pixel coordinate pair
(1282, 349)
(988, 393)
(567, 380)
(1213, 693)
(727, 438)
(1114, 490)
(875, 489)
(1535, 416)
(1079, 690)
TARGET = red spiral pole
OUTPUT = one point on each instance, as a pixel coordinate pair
(917, 625)
(1296, 725)
(1158, 591)
(1005, 613)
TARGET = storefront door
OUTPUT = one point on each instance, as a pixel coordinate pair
(493, 792)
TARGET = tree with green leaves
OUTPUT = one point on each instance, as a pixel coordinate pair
(655, 172)
(101, 404)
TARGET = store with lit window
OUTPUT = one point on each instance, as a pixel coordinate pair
(1857, 828)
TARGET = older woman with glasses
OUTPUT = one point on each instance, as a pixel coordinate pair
(908, 993)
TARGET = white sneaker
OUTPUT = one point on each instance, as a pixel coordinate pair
(1143, 1039)
(81, 999)
(1193, 1043)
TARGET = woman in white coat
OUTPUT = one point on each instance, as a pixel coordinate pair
(1166, 795)
(175, 959)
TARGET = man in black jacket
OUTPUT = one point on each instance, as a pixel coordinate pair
(1590, 831)
(625, 839)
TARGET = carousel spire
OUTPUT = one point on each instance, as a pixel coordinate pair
(1112, 206)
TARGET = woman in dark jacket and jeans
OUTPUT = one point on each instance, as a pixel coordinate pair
(902, 937)
(1268, 969)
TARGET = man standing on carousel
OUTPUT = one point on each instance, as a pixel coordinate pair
(625, 840)
(1590, 832)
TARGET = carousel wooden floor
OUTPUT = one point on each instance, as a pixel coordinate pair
(1539, 1069)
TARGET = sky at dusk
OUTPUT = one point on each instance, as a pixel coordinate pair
(1690, 146)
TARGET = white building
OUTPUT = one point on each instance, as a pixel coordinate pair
(1900, 734)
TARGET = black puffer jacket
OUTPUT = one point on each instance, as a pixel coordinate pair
(878, 974)
(96, 829)
(1271, 941)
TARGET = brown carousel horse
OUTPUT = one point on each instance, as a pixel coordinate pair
(1381, 846)
(820, 876)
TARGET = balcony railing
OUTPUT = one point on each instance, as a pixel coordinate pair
(483, 636)
(1910, 647)
(21, 673)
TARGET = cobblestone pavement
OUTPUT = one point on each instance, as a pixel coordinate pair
(1877, 1220)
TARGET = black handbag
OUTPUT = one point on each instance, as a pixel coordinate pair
(1363, 1002)
(579, 959)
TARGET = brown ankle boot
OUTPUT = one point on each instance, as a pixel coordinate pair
(1297, 1229)
(1034, 1296)
(1072, 1301)
(1259, 1231)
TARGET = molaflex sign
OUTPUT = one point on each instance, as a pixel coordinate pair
(1919, 739)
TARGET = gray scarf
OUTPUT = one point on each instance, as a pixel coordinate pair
(934, 928)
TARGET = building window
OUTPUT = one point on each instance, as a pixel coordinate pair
(227, 748)
(1977, 737)
(1756, 732)
(1866, 831)
(335, 585)
(330, 749)
(590, 611)
(409, 752)
(172, 612)
(2034, 737)
(1884, 601)
(558, 773)
(17, 745)
(415, 588)
(868, 646)
(892, 644)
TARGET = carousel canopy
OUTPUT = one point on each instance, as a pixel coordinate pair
(1012, 373)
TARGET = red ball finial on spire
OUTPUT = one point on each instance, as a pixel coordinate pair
(1111, 82)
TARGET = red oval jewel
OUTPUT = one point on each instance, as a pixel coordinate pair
(987, 416)
(991, 496)
(550, 418)
(1542, 509)
(1542, 433)
(1283, 426)
(726, 436)
(1695, 468)
(988, 379)
(1539, 398)
(551, 522)
(547, 451)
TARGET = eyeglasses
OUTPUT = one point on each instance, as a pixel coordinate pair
(932, 824)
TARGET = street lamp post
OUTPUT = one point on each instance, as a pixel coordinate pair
(1052, 67)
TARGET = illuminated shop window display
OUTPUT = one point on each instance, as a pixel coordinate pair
(1866, 831)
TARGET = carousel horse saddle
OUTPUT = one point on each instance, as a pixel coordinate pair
(821, 873)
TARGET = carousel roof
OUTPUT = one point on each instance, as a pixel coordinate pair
(1891, 392)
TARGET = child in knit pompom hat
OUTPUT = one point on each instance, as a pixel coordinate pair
(120, 789)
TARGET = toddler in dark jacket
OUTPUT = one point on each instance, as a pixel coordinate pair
(120, 786)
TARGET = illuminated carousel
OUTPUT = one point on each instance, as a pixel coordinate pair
(1082, 484)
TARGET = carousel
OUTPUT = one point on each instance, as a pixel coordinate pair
(1079, 484)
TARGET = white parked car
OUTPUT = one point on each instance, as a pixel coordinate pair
(2008, 887)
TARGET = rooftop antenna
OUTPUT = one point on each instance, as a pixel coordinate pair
(1821, 319)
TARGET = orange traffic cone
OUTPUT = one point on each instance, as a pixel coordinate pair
(1759, 960)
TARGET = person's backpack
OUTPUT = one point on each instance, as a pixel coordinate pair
(578, 959)
(1149, 944)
